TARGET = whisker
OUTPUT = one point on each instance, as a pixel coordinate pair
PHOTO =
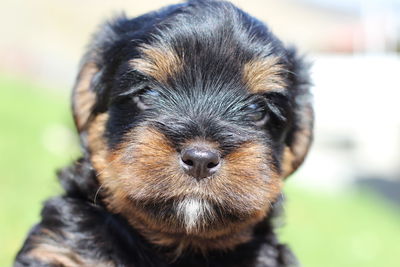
(97, 193)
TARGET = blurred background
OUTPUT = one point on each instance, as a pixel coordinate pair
(342, 207)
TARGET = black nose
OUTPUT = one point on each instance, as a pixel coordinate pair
(200, 162)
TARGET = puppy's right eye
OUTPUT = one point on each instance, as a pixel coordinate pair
(257, 112)
(145, 99)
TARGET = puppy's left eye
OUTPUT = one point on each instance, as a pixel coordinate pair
(145, 99)
(258, 113)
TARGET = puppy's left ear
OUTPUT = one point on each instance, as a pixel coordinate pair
(300, 135)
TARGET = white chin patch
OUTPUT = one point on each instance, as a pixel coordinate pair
(194, 212)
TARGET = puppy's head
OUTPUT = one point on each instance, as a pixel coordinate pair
(192, 117)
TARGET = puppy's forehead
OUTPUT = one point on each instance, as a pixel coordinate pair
(229, 48)
(166, 64)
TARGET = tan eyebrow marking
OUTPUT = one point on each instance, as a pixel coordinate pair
(159, 62)
(264, 75)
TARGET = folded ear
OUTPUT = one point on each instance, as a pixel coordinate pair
(300, 135)
(89, 94)
(83, 95)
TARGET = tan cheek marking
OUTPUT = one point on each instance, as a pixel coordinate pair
(245, 171)
(264, 75)
(154, 163)
(159, 62)
(84, 97)
(141, 168)
(105, 163)
(148, 156)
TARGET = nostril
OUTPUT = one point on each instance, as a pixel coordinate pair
(212, 165)
(188, 162)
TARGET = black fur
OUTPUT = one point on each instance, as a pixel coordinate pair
(220, 112)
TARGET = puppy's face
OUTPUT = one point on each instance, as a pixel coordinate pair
(192, 132)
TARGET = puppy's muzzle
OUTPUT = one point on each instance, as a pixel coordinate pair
(200, 161)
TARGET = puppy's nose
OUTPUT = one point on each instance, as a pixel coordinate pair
(200, 162)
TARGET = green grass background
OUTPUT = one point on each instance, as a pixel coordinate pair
(36, 137)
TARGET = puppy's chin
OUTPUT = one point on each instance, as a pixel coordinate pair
(191, 216)
(195, 214)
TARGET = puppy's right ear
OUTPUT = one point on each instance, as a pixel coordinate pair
(84, 95)
(300, 135)
(89, 92)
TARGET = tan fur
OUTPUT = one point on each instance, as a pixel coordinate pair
(56, 255)
(287, 162)
(264, 75)
(96, 143)
(158, 61)
(83, 96)
(145, 168)
(294, 155)
(50, 248)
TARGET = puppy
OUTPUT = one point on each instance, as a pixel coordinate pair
(190, 119)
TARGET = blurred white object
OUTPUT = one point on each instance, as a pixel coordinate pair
(357, 107)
